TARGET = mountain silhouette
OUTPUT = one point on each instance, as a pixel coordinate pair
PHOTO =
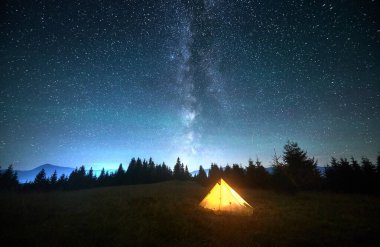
(25, 176)
(29, 175)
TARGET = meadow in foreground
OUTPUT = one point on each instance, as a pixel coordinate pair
(167, 214)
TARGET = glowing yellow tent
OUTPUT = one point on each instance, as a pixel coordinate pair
(223, 199)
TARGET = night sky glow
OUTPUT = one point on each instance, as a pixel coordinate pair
(100, 82)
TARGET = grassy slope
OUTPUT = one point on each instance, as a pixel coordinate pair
(168, 214)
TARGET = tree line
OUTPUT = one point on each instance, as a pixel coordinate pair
(138, 172)
(293, 171)
(296, 171)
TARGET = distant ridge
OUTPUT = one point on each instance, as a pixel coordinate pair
(29, 175)
(25, 176)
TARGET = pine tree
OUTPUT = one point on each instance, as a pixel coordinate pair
(177, 174)
(367, 167)
(357, 175)
(301, 169)
(280, 178)
(167, 172)
(77, 178)
(107, 179)
(90, 178)
(131, 172)
(187, 173)
(101, 178)
(119, 176)
(257, 175)
(144, 172)
(369, 173)
(8, 179)
(340, 175)
(138, 171)
(40, 177)
(41, 182)
(182, 174)
(214, 173)
(151, 173)
(201, 178)
(62, 182)
(237, 175)
(82, 177)
(53, 180)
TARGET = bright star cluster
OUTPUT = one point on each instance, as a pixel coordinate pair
(99, 82)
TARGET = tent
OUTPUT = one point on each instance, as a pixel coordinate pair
(223, 199)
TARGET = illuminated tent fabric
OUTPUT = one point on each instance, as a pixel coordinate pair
(223, 199)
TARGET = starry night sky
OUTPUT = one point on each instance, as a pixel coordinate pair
(99, 82)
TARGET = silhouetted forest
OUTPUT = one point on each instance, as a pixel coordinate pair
(291, 172)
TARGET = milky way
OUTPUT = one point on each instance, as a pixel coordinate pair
(99, 82)
(199, 81)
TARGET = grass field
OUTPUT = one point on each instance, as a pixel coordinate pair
(167, 214)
